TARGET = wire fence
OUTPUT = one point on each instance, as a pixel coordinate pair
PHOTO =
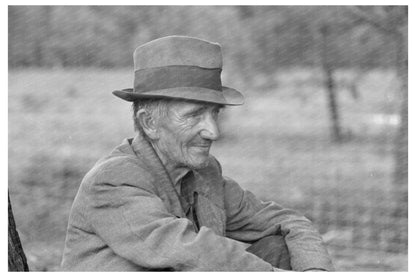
(335, 162)
(376, 223)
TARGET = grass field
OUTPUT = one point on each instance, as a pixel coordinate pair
(277, 145)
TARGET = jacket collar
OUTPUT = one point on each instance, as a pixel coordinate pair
(163, 184)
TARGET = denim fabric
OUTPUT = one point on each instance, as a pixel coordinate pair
(127, 216)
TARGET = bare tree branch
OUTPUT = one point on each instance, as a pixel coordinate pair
(373, 19)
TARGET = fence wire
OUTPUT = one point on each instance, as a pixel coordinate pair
(324, 126)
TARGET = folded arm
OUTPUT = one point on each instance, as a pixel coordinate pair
(249, 219)
(136, 225)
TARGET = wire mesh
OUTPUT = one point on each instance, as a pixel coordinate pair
(289, 61)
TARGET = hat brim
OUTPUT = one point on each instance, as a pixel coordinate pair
(227, 96)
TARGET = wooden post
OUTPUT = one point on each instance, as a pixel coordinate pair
(17, 258)
(401, 147)
(328, 70)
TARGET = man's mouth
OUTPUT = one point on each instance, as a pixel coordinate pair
(204, 146)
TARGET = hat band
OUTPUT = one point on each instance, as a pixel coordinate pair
(174, 76)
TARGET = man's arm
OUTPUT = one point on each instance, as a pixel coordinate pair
(135, 224)
(249, 219)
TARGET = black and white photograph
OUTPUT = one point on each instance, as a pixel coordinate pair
(231, 138)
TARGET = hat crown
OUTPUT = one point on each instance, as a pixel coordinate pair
(178, 50)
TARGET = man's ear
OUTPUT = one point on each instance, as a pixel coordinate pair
(148, 124)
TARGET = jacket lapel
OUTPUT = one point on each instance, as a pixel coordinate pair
(208, 210)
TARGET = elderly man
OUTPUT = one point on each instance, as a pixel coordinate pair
(159, 201)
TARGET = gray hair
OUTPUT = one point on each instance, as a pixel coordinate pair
(157, 108)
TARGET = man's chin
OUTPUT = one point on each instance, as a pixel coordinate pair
(199, 164)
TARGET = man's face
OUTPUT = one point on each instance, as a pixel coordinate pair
(186, 134)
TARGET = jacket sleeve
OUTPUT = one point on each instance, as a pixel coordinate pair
(135, 224)
(249, 219)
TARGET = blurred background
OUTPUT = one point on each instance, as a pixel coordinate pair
(323, 129)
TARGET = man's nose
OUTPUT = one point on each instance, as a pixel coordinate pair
(210, 129)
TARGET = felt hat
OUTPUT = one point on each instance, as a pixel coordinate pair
(180, 67)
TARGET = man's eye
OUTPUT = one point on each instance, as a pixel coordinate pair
(196, 113)
(215, 113)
